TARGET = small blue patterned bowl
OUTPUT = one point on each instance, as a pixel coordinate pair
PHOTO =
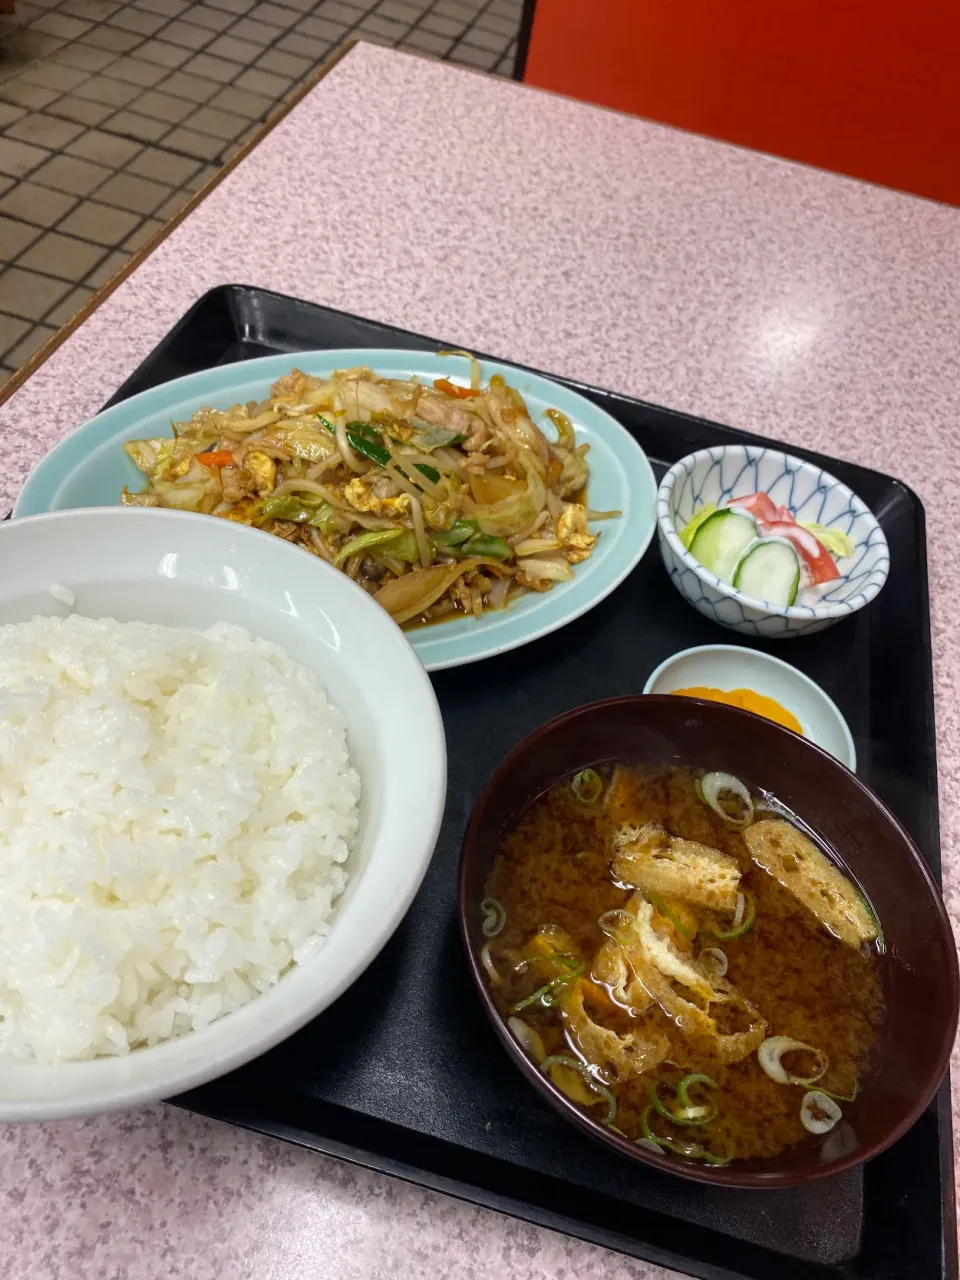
(732, 471)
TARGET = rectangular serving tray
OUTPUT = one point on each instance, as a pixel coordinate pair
(404, 1075)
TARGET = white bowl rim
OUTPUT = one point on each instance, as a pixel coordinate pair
(223, 1051)
(836, 609)
(767, 659)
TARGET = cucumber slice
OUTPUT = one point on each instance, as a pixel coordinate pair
(722, 539)
(770, 571)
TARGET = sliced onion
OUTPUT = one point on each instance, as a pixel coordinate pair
(716, 960)
(773, 1049)
(494, 917)
(528, 1039)
(713, 785)
(818, 1113)
(487, 961)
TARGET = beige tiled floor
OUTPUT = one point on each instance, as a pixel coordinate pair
(112, 114)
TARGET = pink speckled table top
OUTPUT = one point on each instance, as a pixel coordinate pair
(776, 298)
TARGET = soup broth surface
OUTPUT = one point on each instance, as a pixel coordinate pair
(618, 1049)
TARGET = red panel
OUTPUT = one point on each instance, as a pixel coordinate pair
(869, 88)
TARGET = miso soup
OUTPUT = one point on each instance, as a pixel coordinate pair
(685, 963)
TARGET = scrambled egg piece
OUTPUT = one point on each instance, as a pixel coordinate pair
(576, 540)
(361, 498)
(242, 512)
(263, 471)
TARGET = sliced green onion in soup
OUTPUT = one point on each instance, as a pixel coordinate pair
(587, 786)
(689, 1112)
(691, 1150)
(574, 1064)
(841, 1097)
(565, 959)
(558, 989)
(772, 1050)
(536, 997)
(743, 918)
(818, 1112)
(494, 917)
(738, 809)
(687, 1083)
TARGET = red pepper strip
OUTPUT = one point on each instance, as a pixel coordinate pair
(760, 506)
(817, 558)
(451, 389)
(216, 458)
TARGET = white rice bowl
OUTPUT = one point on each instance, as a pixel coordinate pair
(183, 570)
(175, 811)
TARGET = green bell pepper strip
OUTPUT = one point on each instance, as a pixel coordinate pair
(358, 435)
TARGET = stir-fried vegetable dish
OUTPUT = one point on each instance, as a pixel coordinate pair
(685, 964)
(438, 500)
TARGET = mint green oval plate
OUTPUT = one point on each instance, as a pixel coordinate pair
(89, 469)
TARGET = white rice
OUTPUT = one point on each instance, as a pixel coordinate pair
(175, 810)
(63, 594)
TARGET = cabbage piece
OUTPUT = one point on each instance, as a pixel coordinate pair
(199, 490)
(514, 514)
(300, 508)
(833, 540)
(404, 547)
(163, 458)
(383, 538)
(427, 437)
(303, 440)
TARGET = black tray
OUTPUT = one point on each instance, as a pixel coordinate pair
(404, 1074)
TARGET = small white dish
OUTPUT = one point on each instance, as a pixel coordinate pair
(723, 472)
(727, 666)
(186, 570)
